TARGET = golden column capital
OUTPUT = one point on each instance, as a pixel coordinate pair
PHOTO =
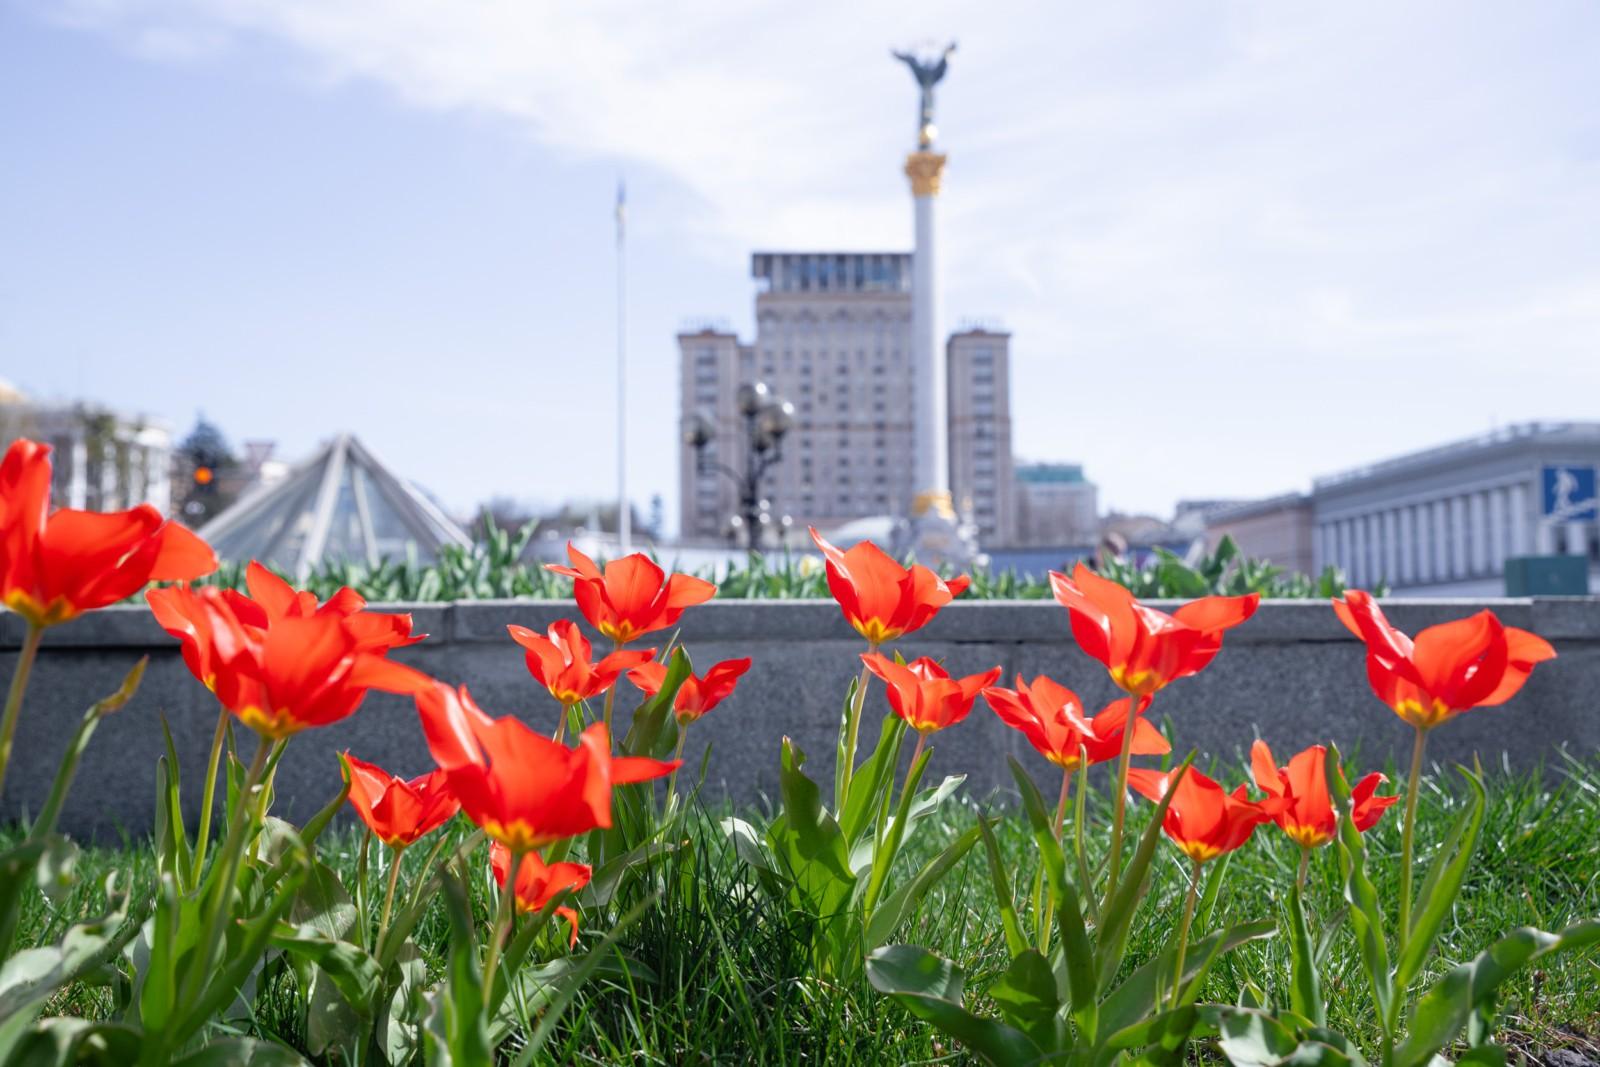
(936, 501)
(925, 169)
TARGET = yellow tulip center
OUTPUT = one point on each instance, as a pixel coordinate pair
(274, 726)
(876, 631)
(37, 614)
(1425, 716)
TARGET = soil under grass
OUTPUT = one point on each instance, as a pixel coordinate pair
(721, 977)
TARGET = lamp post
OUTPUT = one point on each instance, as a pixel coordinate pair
(767, 420)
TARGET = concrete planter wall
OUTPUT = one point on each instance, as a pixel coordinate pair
(1291, 674)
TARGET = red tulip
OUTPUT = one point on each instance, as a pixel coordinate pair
(1308, 816)
(538, 883)
(54, 566)
(632, 596)
(561, 661)
(1145, 649)
(1204, 819)
(399, 812)
(648, 678)
(374, 631)
(881, 599)
(698, 694)
(1470, 663)
(281, 674)
(922, 694)
(522, 788)
(1050, 716)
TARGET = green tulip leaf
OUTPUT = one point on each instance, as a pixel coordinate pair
(64, 1041)
(1016, 941)
(1135, 998)
(1125, 901)
(29, 977)
(1305, 988)
(1440, 889)
(1366, 912)
(1469, 989)
(1026, 997)
(899, 905)
(930, 987)
(241, 1052)
(870, 781)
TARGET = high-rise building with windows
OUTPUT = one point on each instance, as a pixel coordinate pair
(982, 484)
(833, 335)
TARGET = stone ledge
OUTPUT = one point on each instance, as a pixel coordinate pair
(975, 621)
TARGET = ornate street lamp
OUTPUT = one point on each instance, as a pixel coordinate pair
(767, 420)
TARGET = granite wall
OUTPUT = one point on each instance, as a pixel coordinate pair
(1291, 674)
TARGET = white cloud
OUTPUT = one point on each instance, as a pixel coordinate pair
(1235, 200)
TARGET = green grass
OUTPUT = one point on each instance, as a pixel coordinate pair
(718, 972)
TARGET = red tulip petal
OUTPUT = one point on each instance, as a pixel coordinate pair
(1265, 769)
(267, 589)
(183, 556)
(1214, 613)
(632, 584)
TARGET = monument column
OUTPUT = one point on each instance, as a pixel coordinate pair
(934, 533)
(930, 375)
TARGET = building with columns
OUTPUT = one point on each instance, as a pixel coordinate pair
(1444, 521)
(834, 337)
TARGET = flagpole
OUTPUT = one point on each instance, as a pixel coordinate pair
(624, 512)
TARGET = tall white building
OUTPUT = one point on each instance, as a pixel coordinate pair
(102, 461)
(833, 336)
(1444, 521)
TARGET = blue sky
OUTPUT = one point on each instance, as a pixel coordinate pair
(1238, 244)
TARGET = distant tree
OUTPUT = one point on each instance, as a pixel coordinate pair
(208, 475)
(658, 517)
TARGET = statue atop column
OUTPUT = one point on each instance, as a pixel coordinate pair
(929, 70)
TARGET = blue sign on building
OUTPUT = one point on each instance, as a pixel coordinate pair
(1569, 494)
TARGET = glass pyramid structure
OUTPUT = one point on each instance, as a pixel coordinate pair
(342, 505)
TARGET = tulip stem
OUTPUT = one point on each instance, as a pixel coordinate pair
(362, 895)
(427, 864)
(1061, 804)
(1080, 815)
(847, 769)
(1183, 933)
(611, 694)
(425, 875)
(19, 685)
(208, 796)
(503, 917)
(883, 856)
(561, 724)
(1050, 897)
(240, 822)
(397, 854)
(1123, 762)
(677, 756)
(1305, 867)
(1413, 784)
